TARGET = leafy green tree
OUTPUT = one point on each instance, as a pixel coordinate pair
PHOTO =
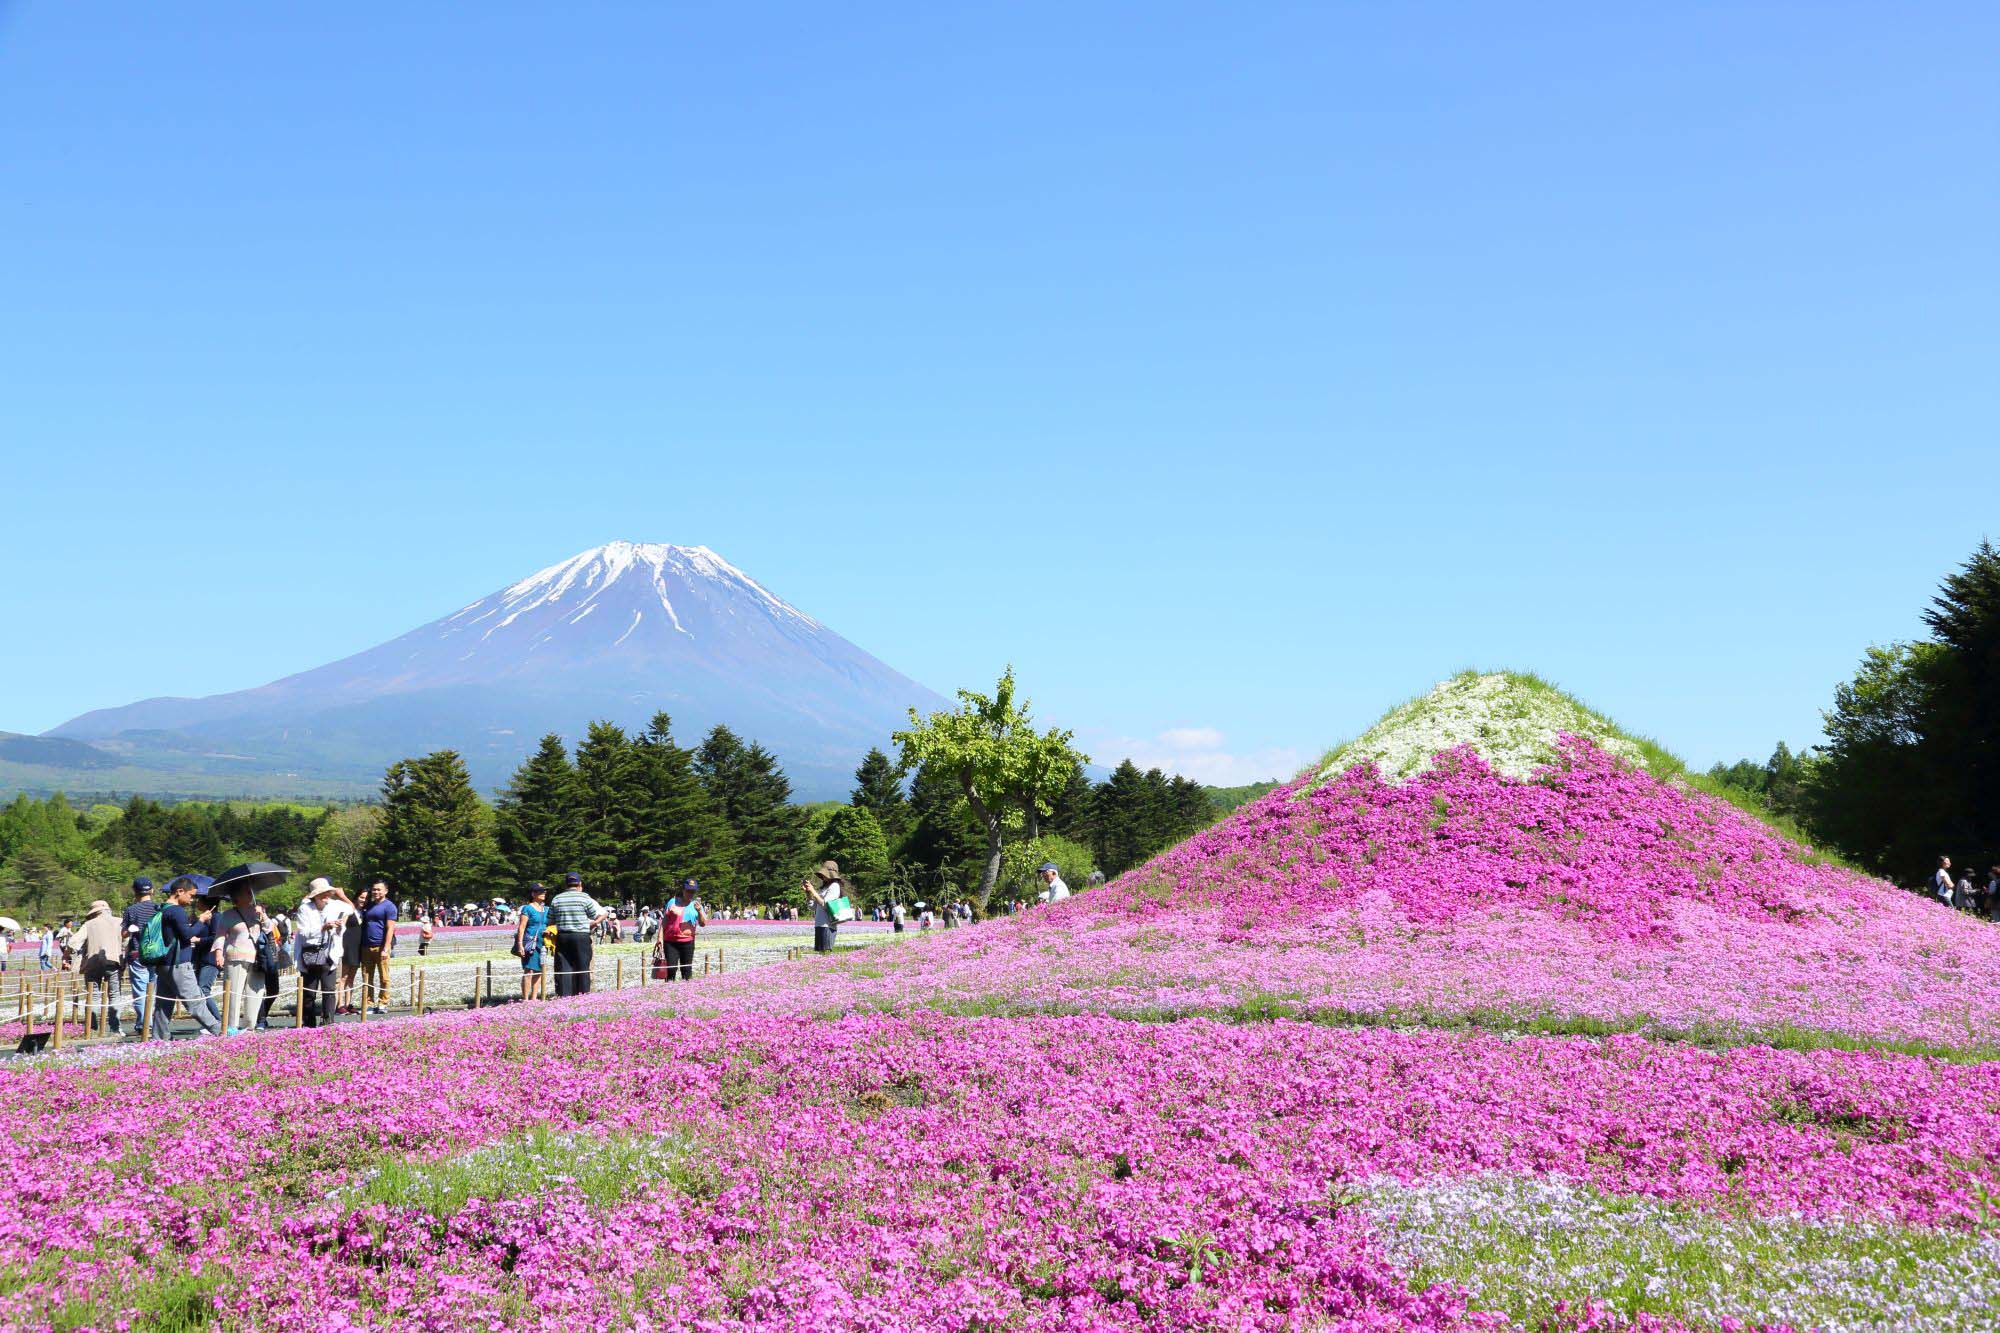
(853, 838)
(878, 789)
(1911, 767)
(1878, 792)
(1023, 859)
(1776, 785)
(340, 849)
(436, 836)
(1005, 769)
(745, 783)
(535, 819)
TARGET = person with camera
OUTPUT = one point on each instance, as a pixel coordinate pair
(674, 955)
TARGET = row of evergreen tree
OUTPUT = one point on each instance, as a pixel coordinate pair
(633, 813)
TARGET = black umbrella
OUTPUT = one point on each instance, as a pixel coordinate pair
(255, 876)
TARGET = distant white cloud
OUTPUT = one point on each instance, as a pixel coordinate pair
(1201, 753)
(1192, 738)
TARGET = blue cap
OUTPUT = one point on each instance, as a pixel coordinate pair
(1048, 865)
(689, 885)
(142, 885)
(572, 880)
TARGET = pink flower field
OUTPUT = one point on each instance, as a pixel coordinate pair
(1235, 1089)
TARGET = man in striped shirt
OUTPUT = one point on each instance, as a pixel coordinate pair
(572, 912)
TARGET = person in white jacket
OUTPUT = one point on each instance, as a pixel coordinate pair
(1052, 877)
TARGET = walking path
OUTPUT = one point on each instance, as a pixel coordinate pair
(478, 972)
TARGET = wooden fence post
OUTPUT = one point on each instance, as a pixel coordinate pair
(228, 1000)
(299, 998)
(361, 980)
(152, 998)
(56, 1040)
(422, 975)
(618, 975)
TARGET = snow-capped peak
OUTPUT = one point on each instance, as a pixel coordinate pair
(578, 581)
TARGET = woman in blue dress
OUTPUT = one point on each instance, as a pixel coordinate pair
(528, 942)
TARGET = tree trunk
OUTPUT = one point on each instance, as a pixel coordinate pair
(990, 876)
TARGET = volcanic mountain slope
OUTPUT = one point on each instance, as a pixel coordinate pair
(616, 632)
(1584, 894)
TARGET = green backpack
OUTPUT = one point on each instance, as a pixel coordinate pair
(153, 940)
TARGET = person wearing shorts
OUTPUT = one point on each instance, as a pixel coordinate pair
(529, 938)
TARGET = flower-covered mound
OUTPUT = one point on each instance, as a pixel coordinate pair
(1590, 897)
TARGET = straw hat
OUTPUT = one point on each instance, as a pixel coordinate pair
(97, 908)
(829, 870)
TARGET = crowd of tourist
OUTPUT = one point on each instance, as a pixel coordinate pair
(1964, 891)
(166, 950)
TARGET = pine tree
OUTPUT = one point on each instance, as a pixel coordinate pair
(943, 845)
(878, 789)
(754, 796)
(340, 849)
(852, 838)
(1121, 812)
(682, 831)
(188, 843)
(535, 819)
(1069, 812)
(1191, 809)
(610, 809)
(436, 837)
(1963, 723)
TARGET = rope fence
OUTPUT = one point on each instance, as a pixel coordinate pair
(62, 1010)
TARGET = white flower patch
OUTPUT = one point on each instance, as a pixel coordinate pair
(1520, 1245)
(1513, 723)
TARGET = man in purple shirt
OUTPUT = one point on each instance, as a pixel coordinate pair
(378, 941)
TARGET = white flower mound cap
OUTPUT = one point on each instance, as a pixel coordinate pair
(1512, 721)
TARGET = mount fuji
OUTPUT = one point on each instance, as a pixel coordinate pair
(617, 632)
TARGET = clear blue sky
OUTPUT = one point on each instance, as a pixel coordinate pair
(1229, 369)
